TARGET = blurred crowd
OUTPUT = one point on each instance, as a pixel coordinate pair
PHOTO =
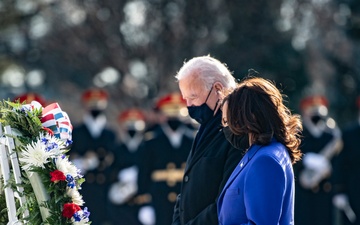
(133, 173)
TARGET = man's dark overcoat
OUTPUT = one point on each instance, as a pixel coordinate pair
(210, 163)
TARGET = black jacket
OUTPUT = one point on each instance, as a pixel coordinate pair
(94, 189)
(313, 206)
(347, 170)
(159, 156)
(210, 163)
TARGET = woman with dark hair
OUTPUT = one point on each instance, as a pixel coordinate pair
(261, 188)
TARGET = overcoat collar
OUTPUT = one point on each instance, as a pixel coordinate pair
(201, 143)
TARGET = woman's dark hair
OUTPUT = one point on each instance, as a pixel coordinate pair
(256, 108)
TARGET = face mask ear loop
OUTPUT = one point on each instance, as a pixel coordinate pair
(209, 94)
(216, 105)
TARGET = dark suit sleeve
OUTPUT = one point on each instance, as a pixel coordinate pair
(209, 214)
(233, 159)
(176, 215)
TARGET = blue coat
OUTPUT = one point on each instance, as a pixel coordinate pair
(260, 190)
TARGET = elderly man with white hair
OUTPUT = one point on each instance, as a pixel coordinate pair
(202, 82)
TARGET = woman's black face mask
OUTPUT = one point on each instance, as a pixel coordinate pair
(238, 142)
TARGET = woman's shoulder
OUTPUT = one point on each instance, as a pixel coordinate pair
(275, 150)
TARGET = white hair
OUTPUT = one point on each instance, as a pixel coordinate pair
(209, 70)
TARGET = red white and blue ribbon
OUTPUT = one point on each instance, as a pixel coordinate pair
(57, 120)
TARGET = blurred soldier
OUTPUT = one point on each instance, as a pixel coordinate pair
(162, 161)
(347, 174)
(29, 97)
(321, 142)
(93, 153)
(123, 208)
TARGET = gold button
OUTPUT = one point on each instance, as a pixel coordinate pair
(172, 197)
(100, 178)
(327, 187)
(90, 178)
(171, 165)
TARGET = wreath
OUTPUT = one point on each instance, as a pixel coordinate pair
(49, 180)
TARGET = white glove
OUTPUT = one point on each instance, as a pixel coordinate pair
(121, 192)
(317, 167)
(147, 215)
(80, 164)
(128, 175)
(341, 201)
(317, 162)
(91, 161)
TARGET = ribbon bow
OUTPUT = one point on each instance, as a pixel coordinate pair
(57, 120)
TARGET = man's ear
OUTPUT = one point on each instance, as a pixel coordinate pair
(218, 87)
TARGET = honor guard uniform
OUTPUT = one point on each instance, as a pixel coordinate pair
(347, 174)
(123, 208)
(320, 144)
(29, 97)
(162, 161)
(92, 152)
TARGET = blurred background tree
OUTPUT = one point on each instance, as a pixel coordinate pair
(133, 48)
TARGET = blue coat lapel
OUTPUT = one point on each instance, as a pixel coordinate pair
(242, 164)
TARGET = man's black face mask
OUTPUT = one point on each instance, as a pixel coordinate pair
(201, 113)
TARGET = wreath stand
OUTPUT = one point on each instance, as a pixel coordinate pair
(9, 159)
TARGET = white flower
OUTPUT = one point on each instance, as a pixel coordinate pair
(75, 196)
(82, 222)
(53, 144)
(36, 105)
(34, 155)
(26, 107)
(65, 166)
(84, 219)
(30, 107)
